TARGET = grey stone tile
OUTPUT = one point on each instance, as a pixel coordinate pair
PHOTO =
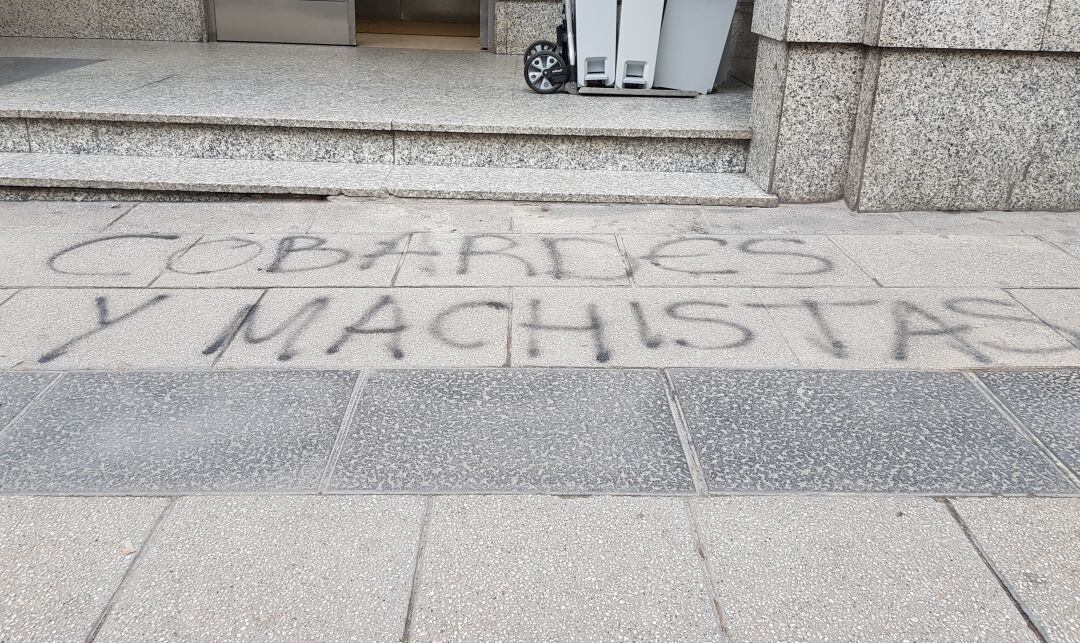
(820, 21)
(634, 154)
(765, 112)
(1062, 27)
(50, 19)
(399, 216)
(963, 24)
(494, 259)
(1048, 403)
(13, 133)
(61, 559)
(59, 216)
(556, 431)
(808, 218)
(882, 569)
(354, 328)
(647, 327)
(1032, 543)
(18, 68)
(898, 432)
(273, 568)
(740, 261)
(960, 261)
(122, 329)
(177, 432)
(914, 328)
(516, 184)
(519, 23)
(274, 217)
(578, 569)
(981, 140)
(193, 140)
(17, 390)
(100, 259)
(189, 174)
(5, 295)
(273, 261)
(1060, 309)
(1052, 225)
(154, 19)
(606, 218)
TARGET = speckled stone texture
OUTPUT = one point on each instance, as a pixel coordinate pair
(18, 68)
(994, 131)
(1032, 543)
(568, 569)
(519, 23)
(13, 136)
(850, 569)
(112, 138)
(835, 21)
(804, 118)
(17, 389)
(742, 58)
(273, 568)
(61, 559)
(553, 431)
(963, 24)
(1047, 403)
(902, 432)
(1063, 26)
(169, 432)
(571, 152)
(123, 19)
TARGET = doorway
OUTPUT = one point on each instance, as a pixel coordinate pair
(419, 24)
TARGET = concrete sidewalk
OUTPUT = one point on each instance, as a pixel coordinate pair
(423, 420)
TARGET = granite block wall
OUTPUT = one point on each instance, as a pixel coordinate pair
(919, 104)
(181, 20)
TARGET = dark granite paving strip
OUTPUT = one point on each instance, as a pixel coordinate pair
(16, 391)
(903, 432)
(1048, 403)
(513, 430)
(16, 68)
(177, 432)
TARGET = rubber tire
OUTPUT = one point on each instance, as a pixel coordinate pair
(539, 45)
(552, 87)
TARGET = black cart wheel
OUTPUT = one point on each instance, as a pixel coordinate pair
(537, 47)
(546, 72)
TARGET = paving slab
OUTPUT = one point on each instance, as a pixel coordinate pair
(1047, 403)
(914, 328)
(647, 327)
(292, 216)
(856, 431)
(122, 329)
(96, 260)
(513, 430)
(16, 68)
(17, 390)
(802, 218)
(282, 261)
(354, 328)
(6, 294)
(273, 568)
(1059, 225)
(59, 216)
(397, 216)
(597, 569)
(1032, 543)
(882, 569)
(740, 261)
(496, 259)
(61, 559)
(962, 261)
(177, 432)
(606, 218)
(1060, 309)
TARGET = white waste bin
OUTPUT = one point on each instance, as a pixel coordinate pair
(595, 23)
(692, 41)
(639, 39)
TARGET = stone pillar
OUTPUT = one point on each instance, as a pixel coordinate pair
(941, 104)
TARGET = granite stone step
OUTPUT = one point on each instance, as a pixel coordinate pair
(246, 176)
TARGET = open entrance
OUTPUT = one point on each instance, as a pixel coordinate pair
(419, 24)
